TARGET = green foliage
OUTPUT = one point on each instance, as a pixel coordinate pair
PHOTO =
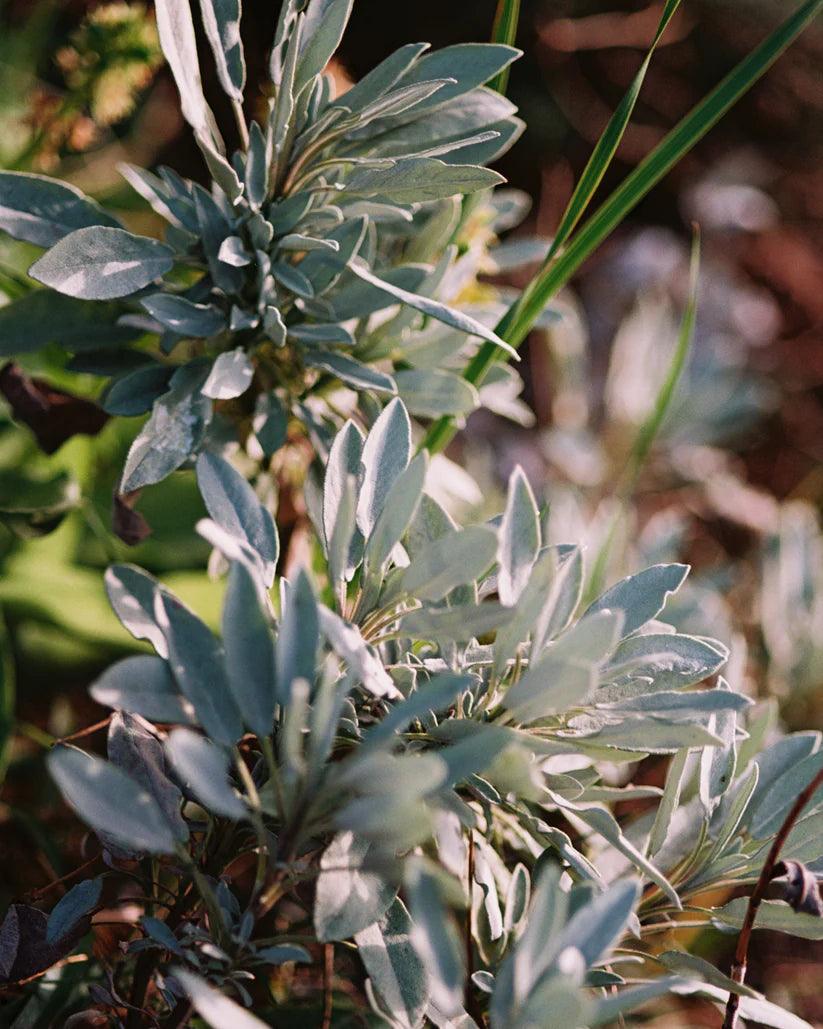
(402, 758)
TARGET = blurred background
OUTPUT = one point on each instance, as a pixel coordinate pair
(735, 483)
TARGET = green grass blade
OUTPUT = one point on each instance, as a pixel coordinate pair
(647, 433)
(607, 145)
(521, 316)
(505, 31)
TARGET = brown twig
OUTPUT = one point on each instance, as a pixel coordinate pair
(741, 954)
(328, 982)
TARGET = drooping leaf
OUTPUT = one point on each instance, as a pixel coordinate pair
(110, 801)
(102, 263)
(42, 211)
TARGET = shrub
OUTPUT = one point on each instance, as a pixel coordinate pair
(391, 793)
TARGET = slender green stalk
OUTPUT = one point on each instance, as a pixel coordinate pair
(504, 30)
(521, 316)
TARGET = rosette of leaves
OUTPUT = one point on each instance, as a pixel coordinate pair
(407, 756)
(269, 285)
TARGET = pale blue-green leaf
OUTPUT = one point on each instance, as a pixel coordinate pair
(668, 802)
(431, 308)
(657, 737)
(102, 263)
(344, 462)
(177, 39)
(203, 769)
(214, 1008)
(362, 659)
(756, 1009)
(299, 635)
(249, 646)
(131, 593)
(562, 599)
(454, 625)
(356, 298)
(693, 704)
(399, 100)
(135, 393)
(233, 251)
(258, 163)
(221, 20)
(433, 696)
(293, 279)
(325, 22)
(517, 899)
(42, 211)
(142, 685)
(317, 333)
(435, 939)
(432, 393)
(274, 326)
(487, 147)
(670, 661)
(519, 539)
(281, 953)
(549, 686)
(230, 375)
(690, 966)
(197, 664)
(642, 596)
(110, 801)
(72, 908)
(385, 454)
(398, 510)
(772, 805)
(381, 78)
(353, 373)
(418, 179)
(607, 1009)
(453, 560)
(233, 504)
(43, 316)
(172, 434)
(349, 895)
(470, 64)
(394, 967)
(221, 171)
(271, 423)
(184, 316)
(590, 640)
(297, 242)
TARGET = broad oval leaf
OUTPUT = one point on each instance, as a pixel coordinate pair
(143, 685)
(349, 896)
(203, 768)
(42, 211)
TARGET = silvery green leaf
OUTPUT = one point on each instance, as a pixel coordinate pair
(433, 696)
(203, 769)
(197, 664)
(293, 279)
(397, 512)
(381, 78)
(72, 908)
(668, 802)
(271, 422)
(517, 899)
(344, 462)
(355, 298)
(213, 228)
(110, 801)
(781, 757)
(470, 64)
(690, 966)
(399, 100)
(595, 928)
(418, 179)
(435, 233)
(557, 1002)
(562, 599)
(608, 1008)
(314, 333)
(42, 211)
(771, 806)
(519, 539)
(172, 434)
(139, 753)
(142, 685)
(175, 209)
(299, 635)
(183, 316)
(518, 252)
(643, 596)
(102, 263)
(691, 704)
(590, 640)
(230, 375)
(549, 686)
(605, 824)
(775, 915)
(432, 393)
(249, 646)
(258, 163)
(386, 453)
(436, 941)
(453, 560)
(43, 316)
(431, 308)
(233, 251)
(717, 765)
(221, 20)
(324, 268)
(214, 1008)
(352, 372)
(131, 593)
(274, 326)
(297, 242)
(670, 661)
(135, 393)
(177, 39)
(394, 967)
(760, 1011)
(489, 912)
(732, 812)
(221, 171)
(456, 625)
(232, 503)
(325, 21)
(362, 659)
(657, 737)
(486, 147)
(533, 598)
(349, 896)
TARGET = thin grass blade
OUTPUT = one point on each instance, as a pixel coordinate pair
(504, 30)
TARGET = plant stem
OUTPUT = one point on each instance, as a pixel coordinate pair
(741, 954)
